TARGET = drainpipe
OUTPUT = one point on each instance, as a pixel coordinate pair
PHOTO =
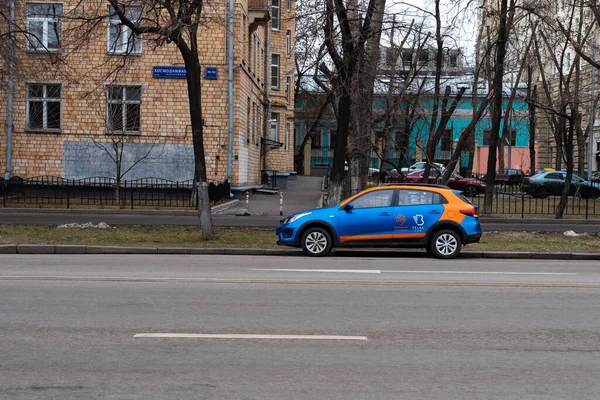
(230, 91)
(11, 89)
(267, 84)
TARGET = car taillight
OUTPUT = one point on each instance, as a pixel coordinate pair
(526, 180)
(471, 212)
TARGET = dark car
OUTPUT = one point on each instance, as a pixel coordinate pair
(470, 186)
(552, 183)
(510, 176)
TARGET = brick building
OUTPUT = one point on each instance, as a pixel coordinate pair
(77, 94)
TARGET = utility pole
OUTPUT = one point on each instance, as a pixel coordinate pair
(11, 89)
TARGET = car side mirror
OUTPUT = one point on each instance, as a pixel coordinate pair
(349, 206)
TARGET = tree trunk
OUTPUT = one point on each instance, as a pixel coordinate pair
(334, 192)
(564, 197)
(496, 105)
(532, 95)
(194, 94)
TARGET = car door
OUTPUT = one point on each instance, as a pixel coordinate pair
(415, 212)
(370, 219)
(555, 182)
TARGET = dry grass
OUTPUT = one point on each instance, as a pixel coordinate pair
(172, 236)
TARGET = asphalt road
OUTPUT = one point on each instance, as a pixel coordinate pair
(46, 218)
(414, 329)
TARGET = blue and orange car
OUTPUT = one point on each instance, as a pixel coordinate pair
(433, 217)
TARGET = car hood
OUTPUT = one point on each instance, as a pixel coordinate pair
(315, 212)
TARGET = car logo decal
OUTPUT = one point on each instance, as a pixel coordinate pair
(419, 220)
(400, 219)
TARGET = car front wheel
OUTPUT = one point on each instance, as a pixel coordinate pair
(471, 191)
(316, 242)
(445, 243)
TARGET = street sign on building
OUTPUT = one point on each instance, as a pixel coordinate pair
(168, 72)
(210, 73)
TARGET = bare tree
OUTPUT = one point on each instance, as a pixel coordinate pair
(174, 22)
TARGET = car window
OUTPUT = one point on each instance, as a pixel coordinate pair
(559, 177)
(420, 165)
(378, 198)
(407, 197)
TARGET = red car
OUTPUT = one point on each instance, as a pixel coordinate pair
(470, 186)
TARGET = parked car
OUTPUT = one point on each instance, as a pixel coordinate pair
(470, 186)
(433, 217)
(510, 176)
(551, 184)
(420, 166)
(596, 177)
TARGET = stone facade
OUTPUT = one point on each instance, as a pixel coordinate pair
(80, 146)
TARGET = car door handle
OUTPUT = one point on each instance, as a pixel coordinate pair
(384, 214)
(434, 212)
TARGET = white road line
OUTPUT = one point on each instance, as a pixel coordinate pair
(346, 271)
(480, 272)
(245, 336)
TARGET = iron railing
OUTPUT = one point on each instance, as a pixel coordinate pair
(104, 191)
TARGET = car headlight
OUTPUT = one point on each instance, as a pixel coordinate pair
(296, 217)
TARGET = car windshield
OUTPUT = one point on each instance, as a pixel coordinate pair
(457, 176)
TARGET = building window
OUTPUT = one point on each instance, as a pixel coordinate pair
(287, 136)
(407, 57)
(453, 60)
(275, 15)
(446, 143)
(120, 38)
(511, 139)
(253, 123)
(486, 137)
(274, 126)
(123, 109)
(288, 42)
(275, 71)
(316, 142)
(248, 104)
(43, 107)
(287, 88)
(424, 57)
(289, 5)
(44, 27)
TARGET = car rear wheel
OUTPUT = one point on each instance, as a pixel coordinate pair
(471, 191)
(445, 243)
(316, 242)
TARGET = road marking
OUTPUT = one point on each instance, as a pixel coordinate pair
(481, 272)
(346, 271)
(245, 336)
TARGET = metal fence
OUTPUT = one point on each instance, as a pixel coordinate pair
(510, 201)
(103, 191)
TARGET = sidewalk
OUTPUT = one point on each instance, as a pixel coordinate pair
(302, 193)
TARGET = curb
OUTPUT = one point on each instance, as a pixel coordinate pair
(124, 250)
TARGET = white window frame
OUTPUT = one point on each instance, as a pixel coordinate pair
(275, 68)
(44, 100)
(275, 15)
(46, 22)
(112, 46)
(288, 42)
(123, 101)
(274, 126)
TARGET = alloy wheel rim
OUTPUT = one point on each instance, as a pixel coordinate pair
(316, 242)
(446, 244)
